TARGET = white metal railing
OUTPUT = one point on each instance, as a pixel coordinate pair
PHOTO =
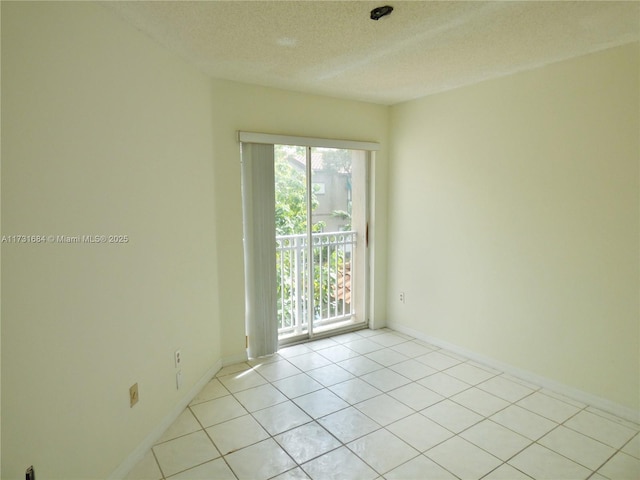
(333, 280)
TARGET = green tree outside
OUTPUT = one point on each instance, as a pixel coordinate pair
(291, 219)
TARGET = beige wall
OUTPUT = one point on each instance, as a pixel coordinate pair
(105, 132)
(514, 221)
(102, 133)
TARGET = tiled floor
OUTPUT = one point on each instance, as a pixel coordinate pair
(381, 405)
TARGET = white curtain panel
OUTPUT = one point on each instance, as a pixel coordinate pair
(258, 203)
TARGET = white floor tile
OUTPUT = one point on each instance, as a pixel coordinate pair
(444, 384)
(396, 452)
(420, 468)
(213, 389)
(456, 356)
(506, 389)
(185, 452)
(419, 432)
(437, 360)
(260, 397)
(452, 416)
(307, 442)
(621, 467)
(355, 390)
(320, 403)
(217, 469)
(338, 353)
(360, 365)
(563, 398)
(367, 332)
(386, 357)
(235, 368)
(548, 407)
(577, 447)
(633, 447)
(348, 424)
(524, 422)
(260, 461)
(145, 469)
(281, 417)
(363, 346)
(218, 410)
(411, 349)
(416, 396)
(330, 375)
(600, 428)
(384, 409)
(297, 385)
(309, 361)
(278, 370)
(428, 413)
(242, 380)
(412, 369)
(506, 472)
(294, 350)
(185, 423)
(496, 439)
(463, 458)
(522, 382)
(236, 434)
(480, 401)
(339, 464)
(258, 362)
(293, 474)
(320, 344)
(385, 379)
(485, 368)
(430, 346)
(614, 418)
(469, 373)
(543, 464)
(346, 338)
(388, 339)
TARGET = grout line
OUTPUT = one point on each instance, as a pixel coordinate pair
(158, 463)
(336, 360)
(216, 447)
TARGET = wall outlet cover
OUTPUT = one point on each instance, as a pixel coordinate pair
(133, 394)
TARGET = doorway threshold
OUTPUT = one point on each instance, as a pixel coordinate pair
(333, 330)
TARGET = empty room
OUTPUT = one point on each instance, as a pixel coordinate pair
(320, 240)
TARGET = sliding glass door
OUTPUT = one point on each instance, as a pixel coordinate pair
(321, 239)
(305, 211)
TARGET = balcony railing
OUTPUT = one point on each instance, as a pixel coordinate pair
(332, 275)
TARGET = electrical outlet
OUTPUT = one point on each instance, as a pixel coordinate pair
(402, 297)
(178, 379)
(133, 394)
(177, 357)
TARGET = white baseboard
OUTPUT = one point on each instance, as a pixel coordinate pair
(538, 380)
(150, 440)
(233, 359)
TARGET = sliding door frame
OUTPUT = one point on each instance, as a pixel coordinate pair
(310, 142)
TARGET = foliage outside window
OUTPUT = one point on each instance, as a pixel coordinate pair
(331, 265)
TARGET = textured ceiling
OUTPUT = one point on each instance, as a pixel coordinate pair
(334, 48)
